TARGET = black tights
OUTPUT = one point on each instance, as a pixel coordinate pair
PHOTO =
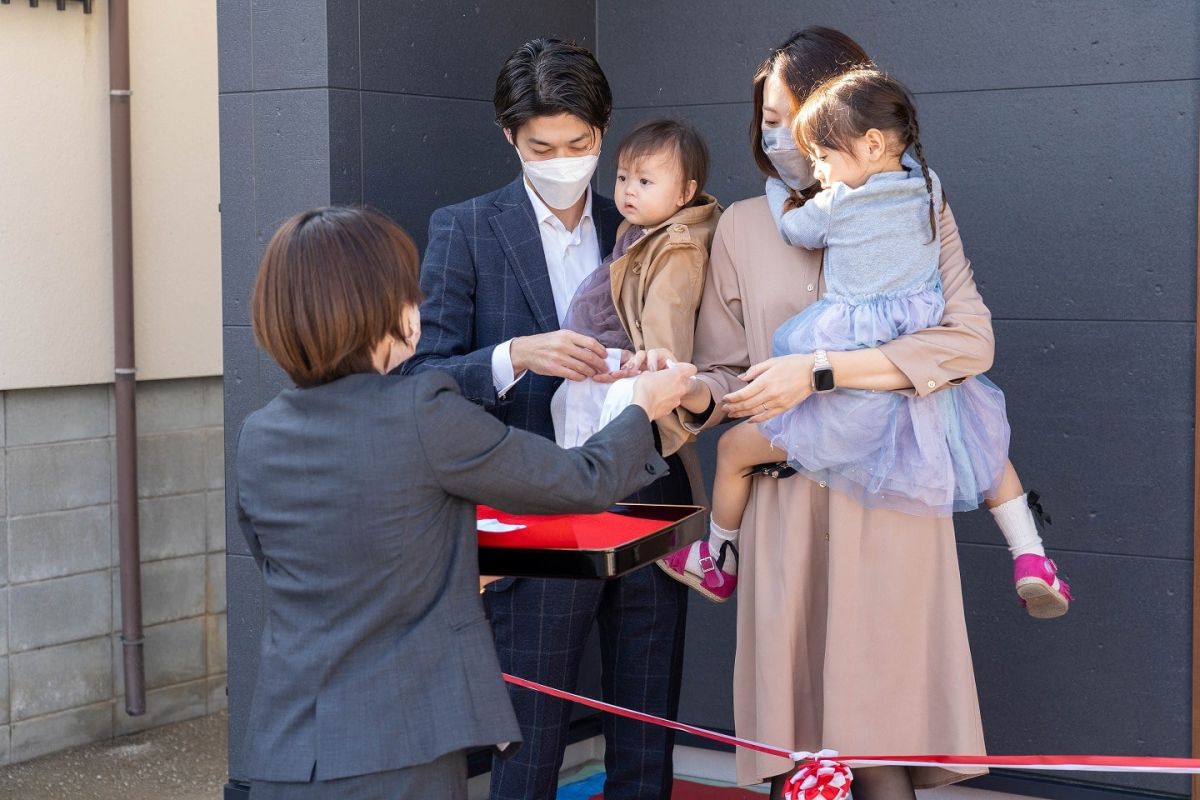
(870, 783)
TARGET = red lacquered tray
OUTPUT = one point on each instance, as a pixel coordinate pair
(604, 545)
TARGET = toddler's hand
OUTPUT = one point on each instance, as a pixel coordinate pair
(660, 358)
(630, 366)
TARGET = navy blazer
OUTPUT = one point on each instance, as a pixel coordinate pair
(357, 499)
(485, 281)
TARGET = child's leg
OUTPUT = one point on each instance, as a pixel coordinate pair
(1042, 592)
(710, 566)
(1010, 509)
(1010, 487)
(738, 449)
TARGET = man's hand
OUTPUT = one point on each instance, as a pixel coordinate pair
(559, 354)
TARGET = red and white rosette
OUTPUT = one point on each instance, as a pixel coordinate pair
(820, 777)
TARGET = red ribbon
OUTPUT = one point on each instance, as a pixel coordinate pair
(1060, 762)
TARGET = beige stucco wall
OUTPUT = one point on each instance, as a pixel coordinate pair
(55, 212)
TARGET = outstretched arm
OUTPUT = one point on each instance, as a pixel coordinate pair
(476, 457)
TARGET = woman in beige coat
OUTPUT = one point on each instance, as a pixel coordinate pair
(850, 631)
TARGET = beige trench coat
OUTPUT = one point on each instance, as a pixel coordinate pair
(657, 286)
(850, 625)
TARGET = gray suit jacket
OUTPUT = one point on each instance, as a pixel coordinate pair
(357, 499)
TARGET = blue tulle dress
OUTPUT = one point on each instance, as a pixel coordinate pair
(930, 455)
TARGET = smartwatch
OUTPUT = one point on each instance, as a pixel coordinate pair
(822, 374)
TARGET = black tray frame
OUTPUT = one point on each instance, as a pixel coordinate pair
(685, 525)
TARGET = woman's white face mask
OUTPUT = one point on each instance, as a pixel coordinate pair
(560, 182)
(793, 166)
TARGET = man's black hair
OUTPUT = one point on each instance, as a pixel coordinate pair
(547, 77)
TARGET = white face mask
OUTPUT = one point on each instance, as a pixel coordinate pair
(793, 166)
(560, 181)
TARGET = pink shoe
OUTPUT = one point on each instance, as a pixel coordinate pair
(1042, 594)
(716, 584)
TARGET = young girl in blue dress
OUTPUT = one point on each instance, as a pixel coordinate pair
(876, 217)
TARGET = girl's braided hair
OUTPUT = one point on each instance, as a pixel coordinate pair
(844, 108)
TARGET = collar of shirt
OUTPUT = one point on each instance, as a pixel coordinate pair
(570, 255)
(545, 216)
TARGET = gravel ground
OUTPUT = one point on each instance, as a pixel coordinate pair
(183, 761)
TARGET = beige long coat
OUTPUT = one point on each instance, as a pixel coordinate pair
(850, 626)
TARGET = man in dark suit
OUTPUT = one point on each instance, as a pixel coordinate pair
(498, 275)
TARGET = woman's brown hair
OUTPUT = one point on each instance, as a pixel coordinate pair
(805, 61)
(845, 107)
(331, 286)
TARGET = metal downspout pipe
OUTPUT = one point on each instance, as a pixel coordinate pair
(125, 373)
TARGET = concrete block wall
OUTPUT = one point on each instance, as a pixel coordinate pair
(61, 680)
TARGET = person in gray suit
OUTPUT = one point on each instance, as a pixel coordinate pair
(356, 493)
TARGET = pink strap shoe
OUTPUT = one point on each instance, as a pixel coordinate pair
(716, 584)
(1042, 593)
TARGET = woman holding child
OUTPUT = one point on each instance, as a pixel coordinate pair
(851, 633)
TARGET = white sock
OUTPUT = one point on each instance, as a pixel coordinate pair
(716, 537)
(1015, 519)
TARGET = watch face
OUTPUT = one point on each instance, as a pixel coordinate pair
(823, 380)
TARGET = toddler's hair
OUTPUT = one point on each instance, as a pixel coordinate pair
(846, 107)
(659, 134)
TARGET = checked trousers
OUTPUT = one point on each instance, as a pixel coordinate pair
(542, 627)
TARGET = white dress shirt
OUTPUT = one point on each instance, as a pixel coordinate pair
(570, 257)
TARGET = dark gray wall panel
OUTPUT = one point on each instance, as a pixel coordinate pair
(291, 156)
(342, 24)
(422, 153)
(664, 53)
(732, 173)
(345, 147)
(454, 48)
(245, 623)
(239, 245)
(290, 44)
(1101, 416)
(707, 695)
(1113, 676)
(272, 379)
(243, 390)
(1075, 203)
(234, 62)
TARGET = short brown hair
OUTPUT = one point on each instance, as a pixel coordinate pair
(682, 139)
(331, 286)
